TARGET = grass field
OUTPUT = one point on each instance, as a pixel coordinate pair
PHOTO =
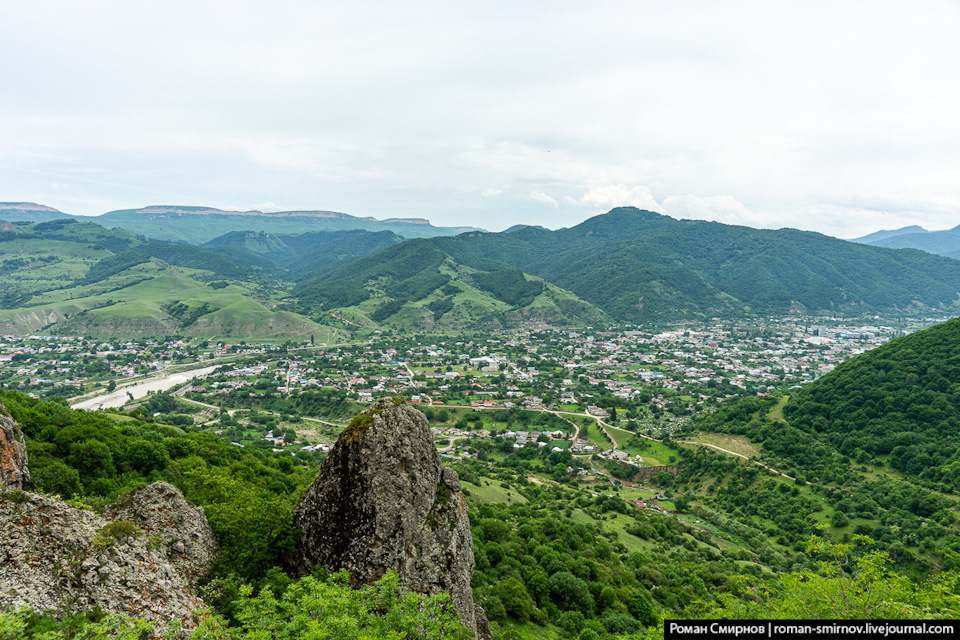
(777, 412)
(491, 492)
(597, 436)
(736, 444)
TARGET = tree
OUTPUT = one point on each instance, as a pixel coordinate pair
(515, 598)
(92, 459)
(145, 456)
(642, 610)
(56, 477)
(111, 385)
(311, 608)
(571, 593)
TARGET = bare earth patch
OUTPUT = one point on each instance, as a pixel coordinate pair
(736, 444)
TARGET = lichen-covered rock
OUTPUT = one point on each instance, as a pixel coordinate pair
(14, 473)
(58, 558)
(160, 510)
(382, 501)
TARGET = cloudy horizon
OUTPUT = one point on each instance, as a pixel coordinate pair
(830, 117)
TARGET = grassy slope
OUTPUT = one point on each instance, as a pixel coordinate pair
(473, 307)
(135, 302)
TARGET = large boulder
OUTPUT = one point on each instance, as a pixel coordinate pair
(14, 473)
(383, 501)
(58, 558)
(162, 513)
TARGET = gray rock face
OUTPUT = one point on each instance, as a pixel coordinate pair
(14, 473)
(161, 512)
(54, 557)
(382, 501)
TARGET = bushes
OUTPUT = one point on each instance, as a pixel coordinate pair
(332, 609)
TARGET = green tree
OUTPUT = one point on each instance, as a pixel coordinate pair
(314, 609)
(642, 610)
(515, 598)
(56, 477)
(92, 459)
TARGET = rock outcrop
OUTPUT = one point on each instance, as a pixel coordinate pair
(382, 501)
(161, 512)
(14, 473)
(55, 557)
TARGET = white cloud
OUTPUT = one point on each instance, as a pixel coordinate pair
(336, 105)
(268, 207)
(725, 209)
(605, 198)
(540, 196)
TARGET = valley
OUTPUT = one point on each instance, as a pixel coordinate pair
(643, 412)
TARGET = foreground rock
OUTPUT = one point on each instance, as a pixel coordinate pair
(382, 501)
(58, 558)
(14, 473)
(160, 510)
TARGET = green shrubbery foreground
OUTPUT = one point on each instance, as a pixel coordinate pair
(846, 585)
(308, 609)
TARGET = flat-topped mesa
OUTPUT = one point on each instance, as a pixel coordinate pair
(14, 474)
(383, 501)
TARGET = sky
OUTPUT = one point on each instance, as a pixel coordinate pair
(837, 117)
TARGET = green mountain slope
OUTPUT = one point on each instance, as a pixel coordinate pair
(71, 277)
(418, 285)
(639, 266)
(901, 399)
(875, 441)
(307, 254)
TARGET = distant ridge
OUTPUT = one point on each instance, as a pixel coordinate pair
(196, 225)
(193, 224)
(944, 243)
(878, 236)
(30, 211)
(518, 227)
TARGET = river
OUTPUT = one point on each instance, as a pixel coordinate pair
(157, 384)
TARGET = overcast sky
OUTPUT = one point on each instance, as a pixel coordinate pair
(840, 117)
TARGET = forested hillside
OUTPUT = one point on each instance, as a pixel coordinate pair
(900, 400)
(639, 266)
(417, 285)
(553, 560)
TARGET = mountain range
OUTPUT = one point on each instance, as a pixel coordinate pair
(73, 275)
(196, 225)
(944, 243)
(640, 266)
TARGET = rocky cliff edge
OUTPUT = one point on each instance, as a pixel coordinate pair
(14, 473)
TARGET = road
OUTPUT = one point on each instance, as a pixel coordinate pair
(739, 455)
